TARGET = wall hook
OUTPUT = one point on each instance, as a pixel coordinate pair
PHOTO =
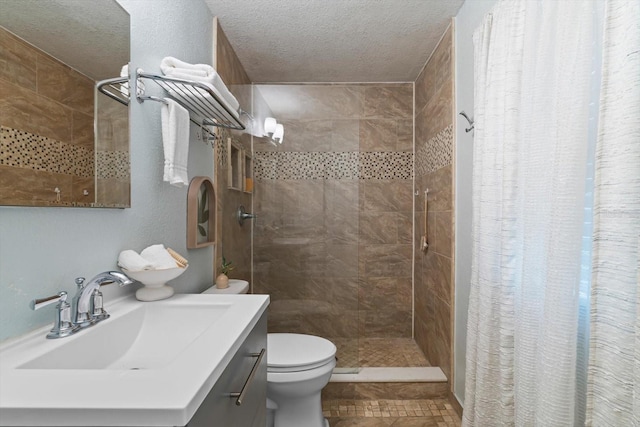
(471, 125)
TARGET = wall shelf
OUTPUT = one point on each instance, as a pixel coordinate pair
(205, 106)
(235, 162)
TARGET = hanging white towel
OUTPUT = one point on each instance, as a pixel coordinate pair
(175, 138)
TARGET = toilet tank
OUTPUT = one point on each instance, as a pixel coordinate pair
(236, 286)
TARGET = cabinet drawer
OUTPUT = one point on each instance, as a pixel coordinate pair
(219, 408)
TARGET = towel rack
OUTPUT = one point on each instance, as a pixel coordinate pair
(116, 88)
(205, 107)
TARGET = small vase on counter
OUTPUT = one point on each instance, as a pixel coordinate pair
(222, 281)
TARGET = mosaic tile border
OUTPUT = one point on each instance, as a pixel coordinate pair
(113, 165)
(436, 153)
(24, 149)
(333, 165)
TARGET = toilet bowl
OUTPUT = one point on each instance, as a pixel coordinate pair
(298, 368)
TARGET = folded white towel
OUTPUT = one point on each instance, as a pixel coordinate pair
(158, 256)
(201, 73)
(175, 139)
(131, 261)
(169, 64)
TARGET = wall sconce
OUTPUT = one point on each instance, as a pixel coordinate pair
(274, 130)
(278, 135)
(270, 125)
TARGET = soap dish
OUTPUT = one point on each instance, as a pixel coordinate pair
(155, 282)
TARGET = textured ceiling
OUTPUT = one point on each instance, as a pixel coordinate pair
(93, 40)
(333, 40)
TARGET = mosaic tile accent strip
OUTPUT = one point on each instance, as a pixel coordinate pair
(76, 160)
(113, 164)
(438, 411)
(333, 165)
(342, 165)
(30, 151)
(220, 145)
(386, 165)
(435, 153)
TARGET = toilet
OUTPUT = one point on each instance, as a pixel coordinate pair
(298, 368)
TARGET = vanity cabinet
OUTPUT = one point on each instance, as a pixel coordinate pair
(219, 408)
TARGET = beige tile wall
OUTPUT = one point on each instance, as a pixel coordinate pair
(332, 244)
(48, 100)
(232, 240)
(434, 170)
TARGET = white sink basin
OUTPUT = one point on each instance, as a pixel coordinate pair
(147, 337)
(150, 364)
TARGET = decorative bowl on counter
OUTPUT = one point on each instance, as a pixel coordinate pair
(155, 282)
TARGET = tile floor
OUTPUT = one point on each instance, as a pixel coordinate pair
(390, 413)
(379, 352)
(386, 352)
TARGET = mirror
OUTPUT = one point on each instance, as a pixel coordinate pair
(62, 143)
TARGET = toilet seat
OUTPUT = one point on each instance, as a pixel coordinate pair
(298, 352)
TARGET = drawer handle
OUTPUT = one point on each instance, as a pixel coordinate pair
(240, 396)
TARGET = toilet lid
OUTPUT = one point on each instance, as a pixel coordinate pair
(297, 352)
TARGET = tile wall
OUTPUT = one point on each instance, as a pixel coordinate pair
(113, 169)
(46, 113)
(434, 287)
(233, 241)
(47, 134)
(332, 243)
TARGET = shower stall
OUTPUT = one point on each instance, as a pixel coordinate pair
(333, 243)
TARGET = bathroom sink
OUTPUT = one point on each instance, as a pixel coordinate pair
(147, 337)
(149, 364)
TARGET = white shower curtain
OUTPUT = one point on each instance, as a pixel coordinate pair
(533, 92)
(614, 364)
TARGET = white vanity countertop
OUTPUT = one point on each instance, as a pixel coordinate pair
(165, 394)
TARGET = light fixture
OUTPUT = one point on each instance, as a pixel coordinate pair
(278, 135)
(270, 125)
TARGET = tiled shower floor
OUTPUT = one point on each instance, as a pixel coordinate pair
(379, 352)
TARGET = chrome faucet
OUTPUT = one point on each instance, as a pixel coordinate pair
(87, 306)
(87, 303)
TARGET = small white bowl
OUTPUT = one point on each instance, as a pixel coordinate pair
(155, 282)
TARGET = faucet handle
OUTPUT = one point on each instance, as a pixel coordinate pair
(38, 303)
(62, 325)
(80, 282)
(96, 306)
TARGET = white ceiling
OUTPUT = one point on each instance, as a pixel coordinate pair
(334, 40)
(93, 40)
